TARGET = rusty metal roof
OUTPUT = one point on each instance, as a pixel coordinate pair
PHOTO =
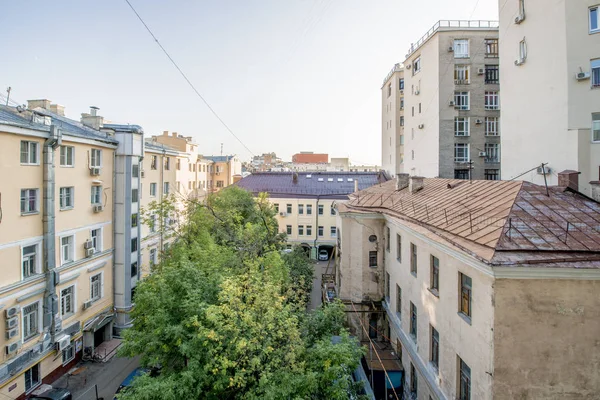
(502, 216)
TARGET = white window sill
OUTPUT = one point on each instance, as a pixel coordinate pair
(465, 317)
(67, 209)
(29, 164)
(25, 340)
(67, 316)
(67, 166)
(25, 214)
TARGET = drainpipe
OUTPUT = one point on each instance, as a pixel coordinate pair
(51, 321)
(317, 231)
(162, 195)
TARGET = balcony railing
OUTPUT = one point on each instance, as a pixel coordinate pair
(457, 24)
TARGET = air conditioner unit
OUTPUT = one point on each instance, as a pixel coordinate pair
(417, 92)
(283, 214)
(480, 71)
(13, 347)
(87, 304)
(63, 342)
(582, 75)
(11, 333)
(143, 174)
(88, 244)
(98, 208)
(12, 322)
(544, 171)
(482, 154)
(451, 103)
(478, 121)
(89, 252)
(450, 49)
(94, 171)
(11, 312)
(519, 18)
(421, 126)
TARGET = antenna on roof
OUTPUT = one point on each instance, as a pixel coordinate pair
(546, 184)
(8, 94)
(221, 148)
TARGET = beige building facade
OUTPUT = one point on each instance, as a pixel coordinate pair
(475, 305)
(392, 121)
(551, 90)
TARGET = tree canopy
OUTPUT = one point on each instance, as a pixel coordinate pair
(224, 314)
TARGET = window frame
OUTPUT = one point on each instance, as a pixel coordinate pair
(333, 231)
(462, 100)
(70, 248)
(434, 281)
(416, 65)
(492, 148)
(387, 287)
(492, 74)
(464, 380)
(96, 196)
(288, 209)
(28, 256)
(595, 73)
(166, 188)
(72, 302)
(288, 229)
(492, 174)
(492, 122)
(492, 100)
(96, 158)
(300, 209)
(461, 44)
(153, 162)
(309, 209)
(465, 297)
(595, 122)
(388, 235)
(398, 247)
(308, 230)
(320, 231)
(64, 158)
(373, 258)
(96, 239)
(26, 199)
(64, 193)
(413, 328)
(300, 230)
(399, 302)
(595, 8)
(33, 385)
(320, 209)
(462, 74)
(466, 126)
(434, 354)
(491, 44)
(100, 284)
(30, 144)
(153, 187)
(26, 335)
(70, 354)
(414, 382)
(466, 152)
(413, 258)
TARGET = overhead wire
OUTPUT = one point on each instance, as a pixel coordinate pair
(187, 79)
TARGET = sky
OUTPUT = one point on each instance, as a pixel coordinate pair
(284, 75)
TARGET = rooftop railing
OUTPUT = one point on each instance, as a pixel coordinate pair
(397, 67)
(454, 24)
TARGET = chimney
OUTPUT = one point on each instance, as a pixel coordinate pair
(165, 133)
(57, 109)
(174, 134)
(355, 185)
(295, 177)
(92, 120)
(569, 178)
(94, 111)
(32, 104)
(401, 181)
(415, 184)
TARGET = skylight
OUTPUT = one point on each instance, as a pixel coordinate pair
(340, 179)
(308, 176)
(329, 179)
(320, 179)
(350, 179)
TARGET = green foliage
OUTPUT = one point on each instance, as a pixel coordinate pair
(224, 314)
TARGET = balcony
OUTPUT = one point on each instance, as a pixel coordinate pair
(461, 82)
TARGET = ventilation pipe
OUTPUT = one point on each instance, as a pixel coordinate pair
(415, 184)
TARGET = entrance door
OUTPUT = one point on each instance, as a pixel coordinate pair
(98, 337)
(373, 326)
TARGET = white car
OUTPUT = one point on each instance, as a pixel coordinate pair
(323, 255)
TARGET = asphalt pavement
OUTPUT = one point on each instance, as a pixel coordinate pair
(316, 298)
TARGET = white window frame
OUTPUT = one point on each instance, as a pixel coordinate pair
(465, 157)
(166, 188)
(595, 73)
(67, 193)
(461, 48)
(461, 74)
(37, 259)
(70, 353)
(462, 100)
(96, 158)
(596, 127)
(333, 231)
(96, 240)
(491, 126)
(38, 319)
(96, 198)
(100, 288)
(25, 200)
(597, 10)
(416, 65)
(35, 160)
(69, 247)
(464, 121)
(36, 384)
(492, 149)
(68, 299)
(153, 254)
(492, 100)
(320, 231)
(300, 230)
(67, 152)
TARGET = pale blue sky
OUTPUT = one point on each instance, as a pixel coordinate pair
(285, 75)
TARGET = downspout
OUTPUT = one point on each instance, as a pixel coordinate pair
(317, 231)
(51, 321)
(162, 195)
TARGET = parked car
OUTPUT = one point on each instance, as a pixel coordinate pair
(129, 380)
(54, 394)
(323, 255)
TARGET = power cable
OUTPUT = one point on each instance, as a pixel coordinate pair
(518, 176)
(187, 80)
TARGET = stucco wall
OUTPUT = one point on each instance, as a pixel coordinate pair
(546, 343)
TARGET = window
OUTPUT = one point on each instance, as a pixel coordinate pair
(419, 108)
(153, 189)
(66, 197)
(152, 223)
(333, 231)
(387, 287)
(134, 269)
(153, 162)
(166, 188)
(387, 238)
(289, 208)
(492, 153)
(29, 153)
(402, 120)
(31, 319)
(491, 126)
(373, 259)
(416, 65)
(398, 247)
(435, 275)
(465, 381)
(29, 201)
(66, 249)
(30, 260)
(492, 101)
(308, 230)
(465, 294)
(96, 158)
(288, 229)
(435, 348)
(67, 301)
(332, 210)
(461, 100)
(134, 245)
(413, 259)
(320, 231)
(300, 230)
(412, 110)
(492, 174)
(320, 209)
(135, 170)
(134, 195)
(401, 84)
(413, 381)
(413, 320)
(594, 20)
(32, 378)
(399, 302)
(96, 235)
(402, 140)
(67, 156)
(68, 354)
(461, 174)
(153, 257)
(309, 209)
(461, 126)
(219, 184)
(178, 164)
(461, 152)
(300, 209)
(491, 48)
(492, 74)
(96, 287)
(167, 162)
(461, 74)
(402, 103)
(596, 127)
(96, 192)
(389, 90)
(276, 206)
(461, 48)
(596, 73)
